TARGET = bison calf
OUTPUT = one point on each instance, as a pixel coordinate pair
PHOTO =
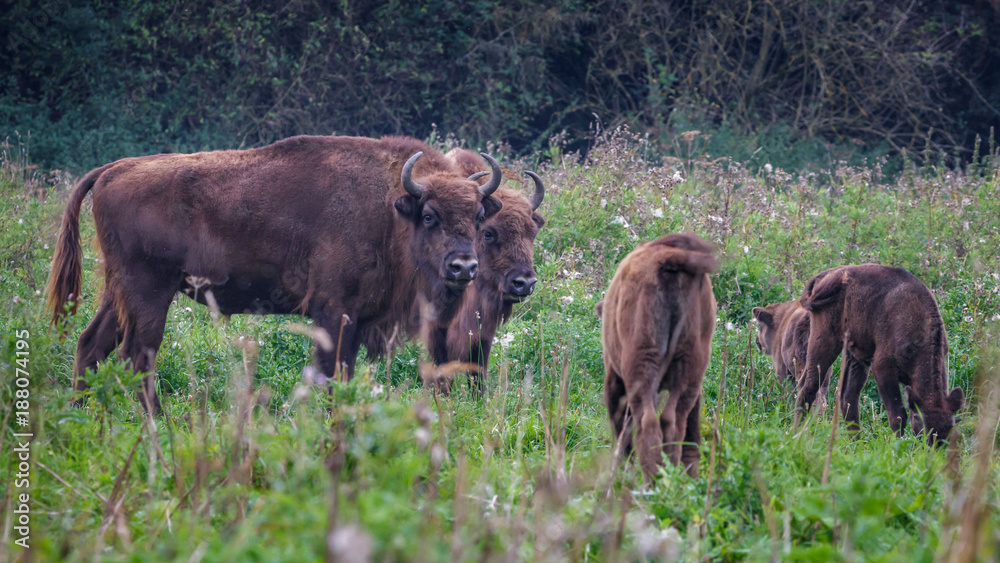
(894, 328)
(659, 314)
(783, 334)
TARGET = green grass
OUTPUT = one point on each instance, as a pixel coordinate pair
(249, 464)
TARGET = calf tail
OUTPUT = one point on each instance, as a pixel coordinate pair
(822, 291)
(690, 254)
(65, 280)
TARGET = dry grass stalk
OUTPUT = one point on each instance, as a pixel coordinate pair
(970, 508)
(836, 412)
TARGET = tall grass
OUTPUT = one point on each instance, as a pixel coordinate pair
(252, 461)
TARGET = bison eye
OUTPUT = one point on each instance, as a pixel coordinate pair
(429, 220)
(489, 236)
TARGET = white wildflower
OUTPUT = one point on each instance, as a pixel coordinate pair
(567, 299)
(746, 250)
(604, 202)
(377, 390)
(507, 339)
(658, 213)
(768, 168)
(677, 176)
(619, 220)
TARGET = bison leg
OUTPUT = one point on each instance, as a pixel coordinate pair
(887, 376)
(342, 329)
(145, 306)
(683, 383)
(691, 451)
(96, 342)
(649, 435)
(822, 351)
(850, 394)
(614, 397)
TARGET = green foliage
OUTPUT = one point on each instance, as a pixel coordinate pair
(249, 458)
(808, 83)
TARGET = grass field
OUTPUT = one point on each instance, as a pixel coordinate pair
(251, 464)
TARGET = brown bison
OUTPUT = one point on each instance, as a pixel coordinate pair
(338, 229)
(659, 314)
(894, 328)
(506, 272)
(783, 334)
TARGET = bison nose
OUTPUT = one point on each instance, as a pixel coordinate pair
(463, 269)
(523, 285)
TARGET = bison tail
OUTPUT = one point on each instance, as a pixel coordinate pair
(694, 263)
(65, 279)
(822, 291)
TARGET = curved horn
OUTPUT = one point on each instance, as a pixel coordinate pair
(497, 176)
(411, 187)
(539, 194)
(477, 176)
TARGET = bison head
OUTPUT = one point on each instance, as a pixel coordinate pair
(767, 327)
(936, 420)
(445, 212)
(506, 241)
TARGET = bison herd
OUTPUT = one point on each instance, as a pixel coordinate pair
(370, 238)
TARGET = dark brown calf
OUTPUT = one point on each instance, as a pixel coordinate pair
(783, 334)
(895, 329)
(659, 314)
(332, 228)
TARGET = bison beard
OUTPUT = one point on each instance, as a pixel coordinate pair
(335, 228)
(894, 330)
(658, 317)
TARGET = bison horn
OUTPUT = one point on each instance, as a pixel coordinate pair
(477, 176)
(411, 187)
(496, 176)
(539, 194)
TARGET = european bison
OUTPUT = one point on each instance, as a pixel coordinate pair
(338, 229)
(783, 334)
(894, 328)
(659, 313)
(506, 272)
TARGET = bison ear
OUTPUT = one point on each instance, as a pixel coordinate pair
(912, 400)
(491, 206)
(599, 308)
(763, 316)
(956, 399)
(406, 206)
(538, 219)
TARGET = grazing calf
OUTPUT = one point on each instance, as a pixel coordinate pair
(894, 328)
(659, 314)
(783, 334)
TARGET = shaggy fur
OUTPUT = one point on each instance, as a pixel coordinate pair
(894, 328)
(320, 226)
(659, 314)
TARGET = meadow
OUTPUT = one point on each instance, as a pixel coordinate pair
(253, 463)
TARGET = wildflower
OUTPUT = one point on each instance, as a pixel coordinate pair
(677, 176)
(746, 250)
(658, 213)
(567, 299)
(768, 168)
(507, 339)
(619, 220)
(376, 390)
